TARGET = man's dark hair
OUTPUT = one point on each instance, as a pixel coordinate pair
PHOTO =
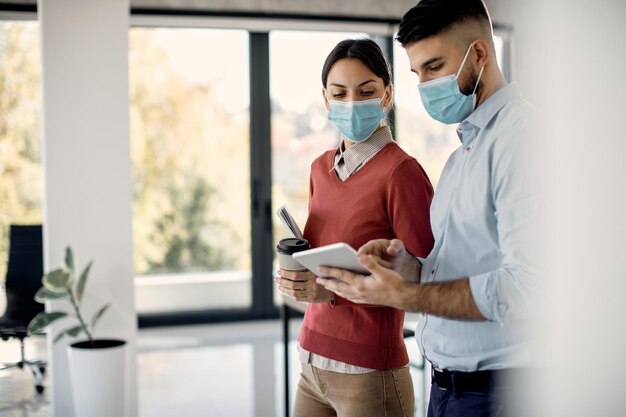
(431, 17)
(365, 50)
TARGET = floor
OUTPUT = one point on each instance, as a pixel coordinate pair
(219, 370)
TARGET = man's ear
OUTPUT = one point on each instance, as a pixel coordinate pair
(483, 52)
(324, 96)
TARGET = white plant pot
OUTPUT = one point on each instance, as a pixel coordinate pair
(97, 375)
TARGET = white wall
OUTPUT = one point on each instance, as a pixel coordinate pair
(87, 169)
(570, 57)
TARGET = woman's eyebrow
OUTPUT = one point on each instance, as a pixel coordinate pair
(360, 85)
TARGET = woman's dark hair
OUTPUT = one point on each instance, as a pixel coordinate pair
(431, 17)
(365, 50)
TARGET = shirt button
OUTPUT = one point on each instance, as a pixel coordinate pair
(467, 149)
(432, 272)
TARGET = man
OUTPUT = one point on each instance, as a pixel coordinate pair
(474, 288)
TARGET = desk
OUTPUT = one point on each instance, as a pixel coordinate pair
(286, 306)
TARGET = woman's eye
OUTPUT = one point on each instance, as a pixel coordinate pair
(367, 93)
(337, 95)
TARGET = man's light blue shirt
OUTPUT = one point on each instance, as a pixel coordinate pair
(483, 219)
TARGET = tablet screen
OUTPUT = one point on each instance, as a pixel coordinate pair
(338, 255)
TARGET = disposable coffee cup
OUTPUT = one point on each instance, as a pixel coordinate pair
(286, 248)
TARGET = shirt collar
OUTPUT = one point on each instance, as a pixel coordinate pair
(355, 155)
(481, 117)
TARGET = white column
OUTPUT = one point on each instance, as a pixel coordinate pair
(86, 158)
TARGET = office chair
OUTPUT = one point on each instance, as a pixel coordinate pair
(23, 279)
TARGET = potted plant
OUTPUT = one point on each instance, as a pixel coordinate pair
(96, 365)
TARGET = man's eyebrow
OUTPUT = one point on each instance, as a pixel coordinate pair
(431, 61)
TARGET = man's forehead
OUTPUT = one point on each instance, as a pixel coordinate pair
(429, 48)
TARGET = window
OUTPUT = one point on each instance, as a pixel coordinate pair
(189, 92)
(428, 140)
(21, 187)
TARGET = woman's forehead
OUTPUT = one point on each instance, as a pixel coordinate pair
(351, 70)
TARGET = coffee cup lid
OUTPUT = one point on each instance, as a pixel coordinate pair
(292, 245)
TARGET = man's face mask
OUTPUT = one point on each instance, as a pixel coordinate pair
(356, 120)
(443, 99)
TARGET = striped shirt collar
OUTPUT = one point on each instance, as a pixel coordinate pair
(348, 161)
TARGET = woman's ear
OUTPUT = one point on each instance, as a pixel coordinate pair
(388, 101)
(326, 104)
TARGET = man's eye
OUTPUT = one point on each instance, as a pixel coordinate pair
(436, 67)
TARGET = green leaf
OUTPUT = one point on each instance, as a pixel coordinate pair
(80, 288)
(72, 332)
(99, 314)
(58, 337)
(44, 294)
(69, 259)
(57, 281)
(43, 319)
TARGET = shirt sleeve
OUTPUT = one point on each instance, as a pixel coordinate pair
(506, 294)
(410, 196)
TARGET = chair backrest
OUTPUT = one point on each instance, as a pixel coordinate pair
(24, 273)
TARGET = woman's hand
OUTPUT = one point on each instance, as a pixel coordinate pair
(391, 254)
(301, 286)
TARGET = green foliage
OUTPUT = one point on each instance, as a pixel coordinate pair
(82, 281)
(43, 319)
(180, 231)
(174, 126)
(45, 294)
(72, 332)
(59, 284)
(177, 226)
(58, 280)
(99, 313)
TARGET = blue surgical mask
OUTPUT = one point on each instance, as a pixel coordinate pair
(356, 120)
(443, 99)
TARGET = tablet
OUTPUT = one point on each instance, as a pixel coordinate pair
(338, 255)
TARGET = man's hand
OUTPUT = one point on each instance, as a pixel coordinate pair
(384, 287)
(302, 286)
(392, 254)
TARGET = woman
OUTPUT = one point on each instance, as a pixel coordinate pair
(354, 360)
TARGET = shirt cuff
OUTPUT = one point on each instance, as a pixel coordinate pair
(484, 290)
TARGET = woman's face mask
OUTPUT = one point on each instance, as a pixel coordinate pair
(443, 99)
(356, 120)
